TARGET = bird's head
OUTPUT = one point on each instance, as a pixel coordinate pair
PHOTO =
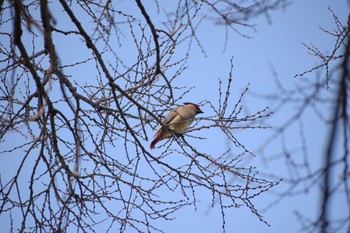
(198, 110)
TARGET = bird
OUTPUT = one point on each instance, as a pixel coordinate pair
(176, 122)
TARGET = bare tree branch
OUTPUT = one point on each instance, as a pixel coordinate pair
(77, 112)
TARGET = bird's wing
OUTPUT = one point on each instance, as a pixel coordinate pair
(168, 118)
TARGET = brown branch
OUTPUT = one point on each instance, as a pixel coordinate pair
(98, 55)
(154, 34)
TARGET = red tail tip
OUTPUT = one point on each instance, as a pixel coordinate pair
(153, 143)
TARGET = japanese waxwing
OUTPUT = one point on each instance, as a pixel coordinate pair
(177, 121)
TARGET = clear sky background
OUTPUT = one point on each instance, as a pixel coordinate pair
(276, 44)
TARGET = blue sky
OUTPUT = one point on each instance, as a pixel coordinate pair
(277, 44)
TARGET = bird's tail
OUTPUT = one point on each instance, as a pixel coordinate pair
(156, 139)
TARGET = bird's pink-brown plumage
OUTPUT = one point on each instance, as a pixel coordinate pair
(176, 122)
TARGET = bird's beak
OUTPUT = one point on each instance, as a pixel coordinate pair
(200, 111)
